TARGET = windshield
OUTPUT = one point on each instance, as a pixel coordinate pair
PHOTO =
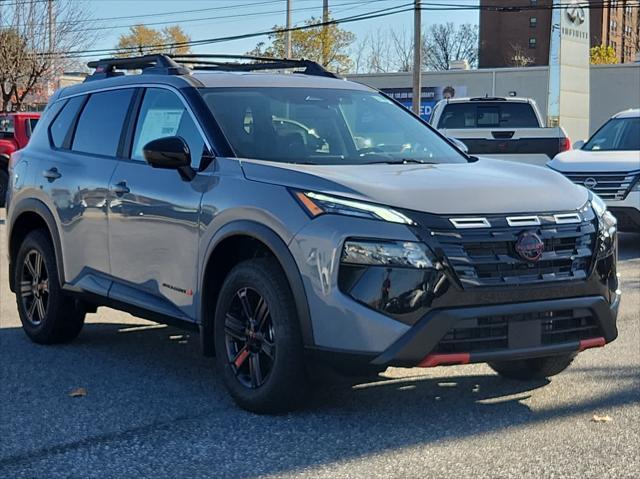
(617, 134)
(324, 126)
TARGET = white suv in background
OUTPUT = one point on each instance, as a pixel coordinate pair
(609, 165)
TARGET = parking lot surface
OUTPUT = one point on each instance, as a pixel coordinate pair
(154, 407)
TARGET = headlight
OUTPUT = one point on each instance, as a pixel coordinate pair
(607, 227)
(387, 253)
(317, 204)
(607, 222)
(598, 204)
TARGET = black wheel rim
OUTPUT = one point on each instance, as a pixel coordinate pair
(250, 338)
(34, 287)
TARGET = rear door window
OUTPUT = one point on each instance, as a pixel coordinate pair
(101, 121)
(488, 115)
(60, 127)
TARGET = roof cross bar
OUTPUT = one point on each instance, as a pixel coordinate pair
(203, 62)
(156, 63)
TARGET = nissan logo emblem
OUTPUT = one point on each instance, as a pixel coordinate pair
(590, 183)
(529, 247)
(575, 13)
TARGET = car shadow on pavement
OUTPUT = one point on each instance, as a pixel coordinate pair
(629, 246)
(148, 387)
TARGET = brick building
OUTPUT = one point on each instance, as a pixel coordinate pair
(521, 38)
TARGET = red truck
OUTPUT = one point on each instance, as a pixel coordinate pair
(15, 131)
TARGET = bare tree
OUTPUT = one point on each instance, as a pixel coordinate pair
(444, 43)
(383, 50)
(34, 37)
(403, 48)
(379, 59)
(518, 57)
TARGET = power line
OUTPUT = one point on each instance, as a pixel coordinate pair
(188, 20)
(218, 17)
(375, 14)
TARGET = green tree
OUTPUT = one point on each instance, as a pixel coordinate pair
(327, 45)
(603, 55)
(144, 40)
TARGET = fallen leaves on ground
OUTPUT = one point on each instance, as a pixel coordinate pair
(78, 392)
(598, 418)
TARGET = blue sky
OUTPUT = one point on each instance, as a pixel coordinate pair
(247, 16)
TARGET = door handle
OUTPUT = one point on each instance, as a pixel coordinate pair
(120, 188)
(51, 174)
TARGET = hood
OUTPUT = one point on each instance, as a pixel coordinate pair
(483, 187)
(582, 161)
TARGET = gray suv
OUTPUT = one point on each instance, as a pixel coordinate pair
(294, 219)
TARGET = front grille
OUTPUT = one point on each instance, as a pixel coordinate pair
(494, 333)
(608, 186)
(487, 256)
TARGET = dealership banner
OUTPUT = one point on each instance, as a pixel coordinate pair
(430, 96)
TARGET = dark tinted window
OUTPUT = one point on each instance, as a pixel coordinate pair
(488, 115)
(100, 124)
(60, 126)
(32, 125)
(163, 114)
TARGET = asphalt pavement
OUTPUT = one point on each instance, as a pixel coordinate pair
(155, 408)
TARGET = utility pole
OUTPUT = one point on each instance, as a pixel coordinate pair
(288, 33)
(417, 58)
(52, 66)
(325, 32)
(50, 21)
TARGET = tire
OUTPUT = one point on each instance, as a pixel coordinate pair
(4, 186)
(531, 369)
(47, 314)
(259, 350)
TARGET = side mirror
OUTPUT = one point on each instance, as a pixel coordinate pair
(170, 153)
(459, 145)
(578, 144)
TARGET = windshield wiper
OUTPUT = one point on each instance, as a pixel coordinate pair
(404, 161)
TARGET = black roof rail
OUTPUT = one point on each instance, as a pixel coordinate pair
(165, 64)
(155, 63)
(205, 62)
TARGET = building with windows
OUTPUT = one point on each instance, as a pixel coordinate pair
(520, 36)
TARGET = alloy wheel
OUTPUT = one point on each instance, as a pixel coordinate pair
(34, 287)
(249, 338)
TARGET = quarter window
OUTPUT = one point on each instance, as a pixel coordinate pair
(163, 114)
(62, 124)
(100, 124)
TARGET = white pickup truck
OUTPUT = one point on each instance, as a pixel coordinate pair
(502, 128)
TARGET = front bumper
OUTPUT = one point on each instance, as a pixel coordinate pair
(368, 320)
(525, 332)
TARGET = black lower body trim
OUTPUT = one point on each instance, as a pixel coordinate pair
(425, 335)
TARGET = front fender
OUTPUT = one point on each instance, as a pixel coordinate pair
(280, 250)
